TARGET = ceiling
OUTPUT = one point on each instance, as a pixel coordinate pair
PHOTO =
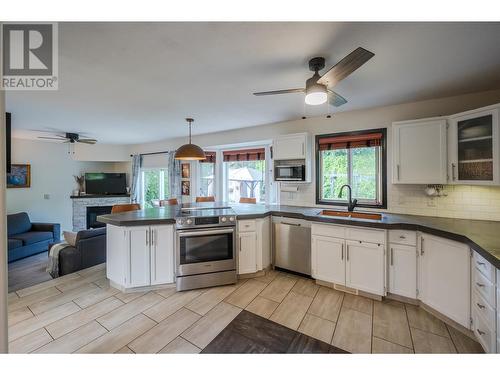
(131, 83)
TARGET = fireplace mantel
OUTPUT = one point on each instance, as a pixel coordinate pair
(80, 204)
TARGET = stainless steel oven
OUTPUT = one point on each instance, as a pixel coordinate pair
(290, 172)
(206, 256)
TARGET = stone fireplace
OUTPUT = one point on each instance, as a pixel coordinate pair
(95, 205)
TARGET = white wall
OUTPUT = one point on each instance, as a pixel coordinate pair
(52, 170)
(462, 200)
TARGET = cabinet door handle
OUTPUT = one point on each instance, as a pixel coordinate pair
(342, 253)
(480, 306)
(402, 237)
(347, 255)
(480, 332)
(453, 177)
(392, 256)
(240, 244)
(480, 285)
(147, 237)
(397, 169)
(422, 246)
(303, 149)
(480, 263)
(153, 237)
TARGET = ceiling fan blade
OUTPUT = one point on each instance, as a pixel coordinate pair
(52, 138)
(345, 67)
(277, 92)
(335, 99)
(88, 141)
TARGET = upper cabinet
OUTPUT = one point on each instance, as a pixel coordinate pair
(419, 152)
(290, 146)
(473, 147)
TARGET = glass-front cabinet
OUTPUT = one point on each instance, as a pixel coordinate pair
(474, 147)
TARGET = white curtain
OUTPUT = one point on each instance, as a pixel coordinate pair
(174, 176)
(136, 178)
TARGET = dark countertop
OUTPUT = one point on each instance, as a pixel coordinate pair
(481, 235)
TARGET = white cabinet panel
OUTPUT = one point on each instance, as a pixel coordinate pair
(247, 255)
(139, 257)
(485, 267)
(484, 333)
(419, 154)
(162, 254)
(365, 266)
(289, 147)
(328, 259)
(445, 277)
(403, 270)
(403, 237)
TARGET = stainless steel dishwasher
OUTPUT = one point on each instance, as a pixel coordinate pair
(292, 244)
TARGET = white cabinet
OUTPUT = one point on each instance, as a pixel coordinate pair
(419, 152)
(328, 259)
(290, 146)
(403, 270)
(444, 277)
(247, 255)
(365, 266)
(254, 245)
(473, 147)
(140, 256)
(337, 258)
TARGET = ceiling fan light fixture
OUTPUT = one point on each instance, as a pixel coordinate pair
(190, 151)
(316, 93)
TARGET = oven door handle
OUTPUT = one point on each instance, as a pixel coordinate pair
(204, 232)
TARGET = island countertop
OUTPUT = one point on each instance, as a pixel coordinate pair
(481, 235)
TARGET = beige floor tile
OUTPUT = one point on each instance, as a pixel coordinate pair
(123, 313)
(326, 304)
(129, 297)
(80, 318)
(61, 299)
(292, 310)
(246, 293)
(120, 336)
(306, 287)
(171, 304)
(358, 303)
(91, 270)
(208, 327)
(353, 331)
(318, 328)
(30, 342)
(74, 340)
(77, 283)
(12, 297)
(426, 342)
(180, 346)
(32, 324)
(209, 299)
(262, 306)
(95, 297)
(167, 292)
(33, 298)
(421, 319)
(390, 323)
(125, 350)
(463, 343)
(19, 315)
(278, 288)
(102, 283)
(268, 277)
(47, 284)
(162, 334)
(380, 346)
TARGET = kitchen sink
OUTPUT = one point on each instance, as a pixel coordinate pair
(356, 215)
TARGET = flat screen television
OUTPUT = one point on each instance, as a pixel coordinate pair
(105, 183)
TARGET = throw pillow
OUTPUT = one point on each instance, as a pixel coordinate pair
(70, 238)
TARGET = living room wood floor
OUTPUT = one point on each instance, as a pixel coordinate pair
(81, 313)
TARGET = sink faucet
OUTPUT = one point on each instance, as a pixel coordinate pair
(352, 202)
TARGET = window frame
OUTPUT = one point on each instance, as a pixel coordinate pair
(382, 161)
(163, 171)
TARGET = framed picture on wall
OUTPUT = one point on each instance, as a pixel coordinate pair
(185, 171)
(19, 176)
(185, 188)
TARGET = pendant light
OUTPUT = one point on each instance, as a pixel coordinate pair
(190, 151)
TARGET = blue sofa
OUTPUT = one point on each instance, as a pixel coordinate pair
(26, 238)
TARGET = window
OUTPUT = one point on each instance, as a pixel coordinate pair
(244, 175)
(154, 186)
(357, 159)
(207, 175)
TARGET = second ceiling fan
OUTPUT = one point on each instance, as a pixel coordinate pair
(319, 87)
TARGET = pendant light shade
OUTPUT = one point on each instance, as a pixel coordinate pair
(190, 151)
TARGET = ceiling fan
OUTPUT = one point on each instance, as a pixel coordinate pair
(319, 88)
(71, 138)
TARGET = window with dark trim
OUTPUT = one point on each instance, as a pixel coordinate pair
(354, 158)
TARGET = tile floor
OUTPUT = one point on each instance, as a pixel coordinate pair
(81, 313)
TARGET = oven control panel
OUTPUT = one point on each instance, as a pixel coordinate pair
(206, 221)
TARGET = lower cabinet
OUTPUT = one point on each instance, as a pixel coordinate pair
(444, 277)
(327, 259)
(403, 270)
(365, 266)
(247, 254)
(254, 245)
(140, 256)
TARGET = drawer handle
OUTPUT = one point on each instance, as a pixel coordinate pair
(480, 332)
(402, 237)
(480, 263)
(480, 285)
(480, 306)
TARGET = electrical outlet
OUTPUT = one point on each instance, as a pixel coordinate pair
(46, 196)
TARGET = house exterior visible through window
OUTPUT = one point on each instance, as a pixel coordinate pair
(357, 159)
(155, 186)
(207, 175)
(244, 174)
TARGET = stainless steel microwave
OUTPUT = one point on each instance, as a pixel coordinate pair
(290, 172)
